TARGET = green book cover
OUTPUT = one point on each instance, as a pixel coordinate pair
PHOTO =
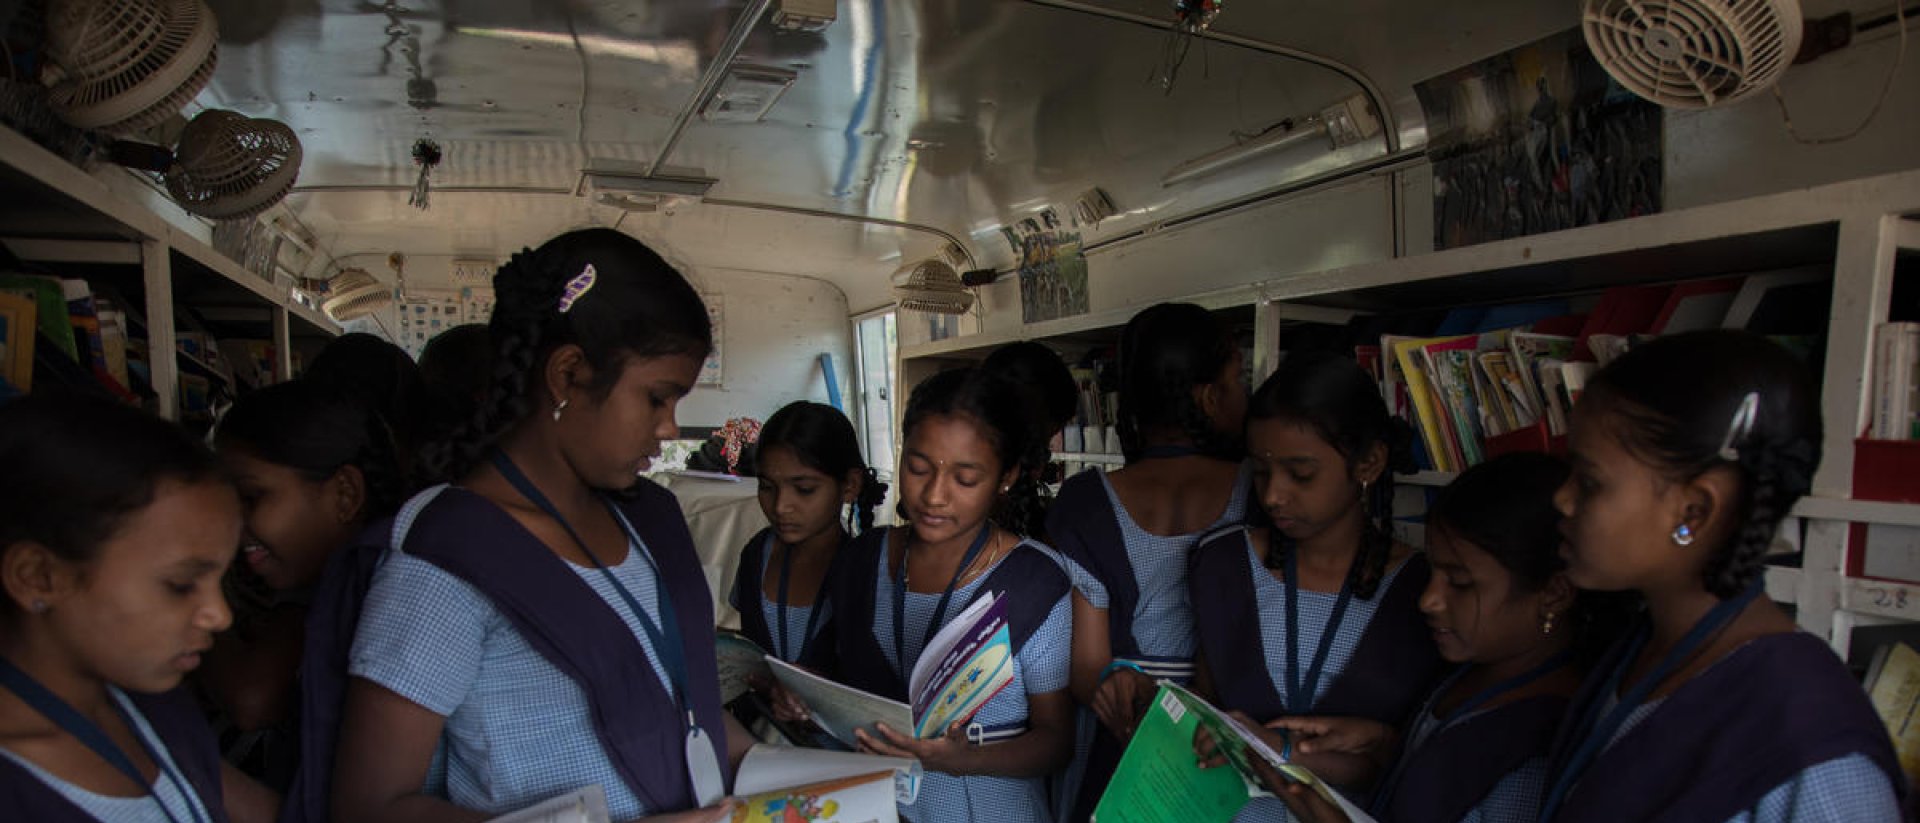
(1159, 780)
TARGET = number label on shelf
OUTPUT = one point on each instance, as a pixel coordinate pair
(1884, 598)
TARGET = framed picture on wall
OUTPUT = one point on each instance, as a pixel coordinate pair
(711, 373)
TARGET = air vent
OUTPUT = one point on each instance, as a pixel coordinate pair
(747, 93)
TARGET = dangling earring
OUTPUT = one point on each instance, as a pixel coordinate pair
(1546, 624)
(1682, 535)
(557, 409)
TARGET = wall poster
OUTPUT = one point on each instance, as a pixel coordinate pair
(1053, 276)
(711, 373)
(1535, 140)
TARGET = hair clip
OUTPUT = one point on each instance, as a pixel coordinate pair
(1740, 427)
(578, 288)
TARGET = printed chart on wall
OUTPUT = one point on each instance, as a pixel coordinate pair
(425, 314)
(710, 371)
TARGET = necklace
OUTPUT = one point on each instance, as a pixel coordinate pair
(964, 575)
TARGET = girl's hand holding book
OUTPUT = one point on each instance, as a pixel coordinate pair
(1336, 735)
(787, 706)
(1306, 804)
(946, 754)
(1121, 699)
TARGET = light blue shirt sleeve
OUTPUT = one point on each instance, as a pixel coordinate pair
(1045, 661)
(1516, 798)
(1849, 788)
(1083, 581)
(422, 633)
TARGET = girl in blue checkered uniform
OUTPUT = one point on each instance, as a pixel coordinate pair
(1126, 537)
(542, 624)
(1519, 637)
(809, 468)
(960, 479)
(1315, 610)
(1687, 452)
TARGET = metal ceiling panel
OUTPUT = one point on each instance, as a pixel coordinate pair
(961, 115)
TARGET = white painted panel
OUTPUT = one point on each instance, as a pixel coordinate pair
(1744, 149)
(776, 328)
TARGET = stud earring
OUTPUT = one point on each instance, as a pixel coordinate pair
(1546, 624)
(1682, 535)
(39, 606)
(557, 409)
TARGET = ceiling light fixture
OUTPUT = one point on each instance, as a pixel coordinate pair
(1343, 124)
(805, 15)
(747, 93)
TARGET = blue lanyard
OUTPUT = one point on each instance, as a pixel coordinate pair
(1596, 731)
(1300, 693)
(780, 607)
(665, 635)
(70, 720)
(1472, 704)
(939, 610)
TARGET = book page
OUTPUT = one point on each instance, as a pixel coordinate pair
(739, 660)
(861, 799)
(587, 805)
(838, 709)
(769, 768)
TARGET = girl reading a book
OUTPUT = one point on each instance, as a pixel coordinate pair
(1519, 635)
(542, 624)
(1127, 534)
(964, 432)
(810, 471)
(115, 528)
(1315, 610)
(1687, 452)
(314, 467)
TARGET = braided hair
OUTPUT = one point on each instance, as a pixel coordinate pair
(1001, 413)
(1052, 398)
(1337, 400)
(823, 440)
(635, 305)
(1166, 351)
(1694, 402)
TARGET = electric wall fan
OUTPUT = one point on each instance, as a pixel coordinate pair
(128, 65)
(355, 293)
(934, 287)
(1694, 54)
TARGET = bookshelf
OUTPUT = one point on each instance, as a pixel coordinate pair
(1852, 232)
(58, 215)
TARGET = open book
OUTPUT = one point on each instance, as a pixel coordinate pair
(778, 784)
(1159, 779)
(962, 668)
(740, 661)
